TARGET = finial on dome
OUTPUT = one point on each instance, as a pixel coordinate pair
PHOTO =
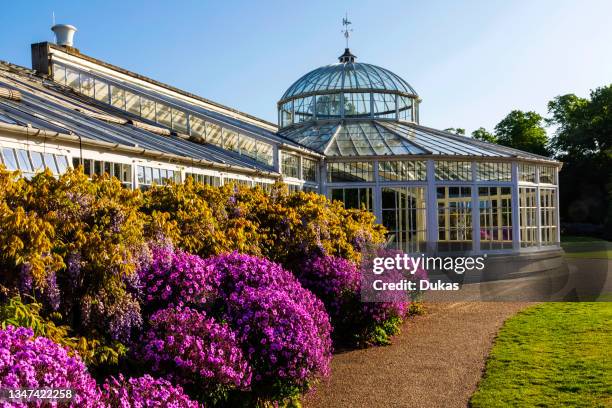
(347, 56)
(346, 30)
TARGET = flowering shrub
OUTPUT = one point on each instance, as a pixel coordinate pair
(285, 343)
(175, 278)
(192, 348)
(337, 282)
(144, 392)
(37, 362)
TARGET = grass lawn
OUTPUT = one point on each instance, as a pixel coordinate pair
(586, 247)
(550, 355)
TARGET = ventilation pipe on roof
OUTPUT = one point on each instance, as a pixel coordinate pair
(64, 34)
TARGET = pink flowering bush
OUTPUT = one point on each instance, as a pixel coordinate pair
(192, 348)
(338, 282)
(144, 392)
(37, 362)
(174, 277)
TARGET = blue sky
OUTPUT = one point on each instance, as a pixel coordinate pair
(471, 62)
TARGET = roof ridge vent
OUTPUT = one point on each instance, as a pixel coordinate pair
(64, 34)
(347, 57)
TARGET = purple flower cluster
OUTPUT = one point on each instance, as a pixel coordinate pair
(119, 315)
(37, 362)
(175, 278)
(144, 392)
(189, 345)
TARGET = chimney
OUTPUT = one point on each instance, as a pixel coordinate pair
(64, 34)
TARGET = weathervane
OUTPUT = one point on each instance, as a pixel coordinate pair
(346, 31)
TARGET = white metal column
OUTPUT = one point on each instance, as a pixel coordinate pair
(516, 228)
(432, 208)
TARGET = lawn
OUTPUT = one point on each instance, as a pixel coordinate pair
(586, 247)
(554, 354)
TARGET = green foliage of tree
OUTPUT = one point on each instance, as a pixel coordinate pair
(457, 131)
(484, 135)
(523, 131)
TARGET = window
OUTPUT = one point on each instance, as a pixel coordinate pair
(454, 218)
(527, 172)
(117, 97)
(547, 175)
(62, 163)
(147, 108)
(237, 181)
(121, 171)
(24, 161)
(10, 160)
(548, 216)
(87, 85)
(453, 170)
(286, 114)
(213, 134)
(404, 216)
(265, 153)
(205, 179)
(101, 92)
(132, 103)
(37, 161)
(405, 108)
(359, 198)
(404, 170)
(247, 146)
(528, 217)
(304, 109)
(148, 176)
(357, 104)
(179, 121)
(164, 114)
(494, 171)
(350, 172)
(310, 169)
(328, 106)
(290, 165)
(230, 140)
(72, 79)
(197, 126)
(495, 206)
(59, 74)
(384, 105)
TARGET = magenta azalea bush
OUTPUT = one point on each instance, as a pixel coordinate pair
(37, 362)
(174, 277)
(144, 392)
(338, 282)
(193, 349)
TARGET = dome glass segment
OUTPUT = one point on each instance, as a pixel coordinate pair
(348, 89)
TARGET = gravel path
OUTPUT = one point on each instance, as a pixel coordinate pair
(436, 361)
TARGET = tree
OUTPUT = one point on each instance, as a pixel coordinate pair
(484, 135)
(523, 131)
(457, 131)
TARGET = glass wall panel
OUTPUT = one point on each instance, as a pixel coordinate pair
(384, 105)
(72, 79)
(286, 114)
(132, 103)
(350, 171)
(237, 182)
(547, 174)
(213, 134)
(303, 109)
(247, 146)
(101, 92)
(528, 217)
(453, 170)
(265, 153)
(59, 74)
(527, 172)
(405, 108)
(290, 165)
(454, 218)
(37, 161)
(117, 97)
(147, 108)
(87, 85)
(358, 198)
(197, 126)
(402, 170)
(179, 121)
(404, 216)
(328, 106)
(10, 160)
(23, 159)
(548, 215)
(50, 162)
(230, 140)
(205, 179)
(494, 171)
(164, 114)
(495, 206)
(310, 169)
(357, 104)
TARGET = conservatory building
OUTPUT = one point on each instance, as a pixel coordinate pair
(434, 191)
(349, 130)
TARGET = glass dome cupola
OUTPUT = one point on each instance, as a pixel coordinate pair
(348, 89)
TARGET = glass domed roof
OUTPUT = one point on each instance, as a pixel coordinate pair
(350, 76)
